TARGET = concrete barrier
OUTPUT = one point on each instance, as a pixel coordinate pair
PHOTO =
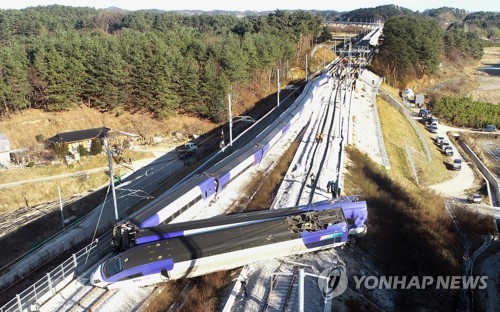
(494, 185)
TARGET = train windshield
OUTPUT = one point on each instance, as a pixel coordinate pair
(112, 267)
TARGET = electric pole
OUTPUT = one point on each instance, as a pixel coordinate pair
(230, 121)
(111, 177)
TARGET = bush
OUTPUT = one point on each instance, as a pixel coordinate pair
(30, 164)
(95, 147)
(82, 150)
(60, 150)
(126, 144)
(465, 112)
(40, 138)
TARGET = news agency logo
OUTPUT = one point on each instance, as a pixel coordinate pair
(332, 281)
(421, 282)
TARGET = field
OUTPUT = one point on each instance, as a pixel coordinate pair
(468, 81)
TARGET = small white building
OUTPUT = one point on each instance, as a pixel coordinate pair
(4, 150)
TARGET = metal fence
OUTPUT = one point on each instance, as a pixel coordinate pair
(42, 290)
(43, 255)
(396, 104)
(378, 130)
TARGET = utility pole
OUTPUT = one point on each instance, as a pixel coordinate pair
(287, 69)
(279, 87)
(306, 68)
(61, 205)
(111, 177)
(230, 121)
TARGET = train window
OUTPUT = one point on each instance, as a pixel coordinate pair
(112, 266)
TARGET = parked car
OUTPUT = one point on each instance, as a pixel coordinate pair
(433, 129)
(489, 128)
(423, 112)
(474, 198)
(448, 151)
(457, 164)
(444, 144)
(438, 139)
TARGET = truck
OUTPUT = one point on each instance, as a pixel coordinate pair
(419, 100)
(488, 128)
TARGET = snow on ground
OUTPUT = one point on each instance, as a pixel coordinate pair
(297, 181)
(128, 299)
(257, 275)
(298, 176)
(363, 111)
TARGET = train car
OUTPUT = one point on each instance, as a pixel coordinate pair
(195, 193)
(126, 236)
(323, 79)
(274, 136)
(226, 248)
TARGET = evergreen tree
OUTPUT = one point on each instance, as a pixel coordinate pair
(95, 147)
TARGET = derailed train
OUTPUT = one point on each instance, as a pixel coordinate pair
(194, 194)
(198, 191)
(195, 248)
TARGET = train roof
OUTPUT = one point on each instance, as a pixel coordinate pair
(165, 199)
(231, 239)
(159, 232)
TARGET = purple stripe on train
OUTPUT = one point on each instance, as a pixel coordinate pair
(159, 236)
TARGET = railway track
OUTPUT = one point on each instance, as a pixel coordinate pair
(316, 153)
(92, 299)
(283, 288)
(11, 221)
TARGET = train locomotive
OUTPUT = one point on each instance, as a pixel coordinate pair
(199, 247)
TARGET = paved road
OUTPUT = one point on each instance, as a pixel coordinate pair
(464, 179)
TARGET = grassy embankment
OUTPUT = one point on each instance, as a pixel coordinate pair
(410, 232)
(36, 193)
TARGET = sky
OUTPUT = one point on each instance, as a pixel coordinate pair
(260, 5)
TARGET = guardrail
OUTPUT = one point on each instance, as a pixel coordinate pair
(42, 290)
(485, 171)
(380, 137)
